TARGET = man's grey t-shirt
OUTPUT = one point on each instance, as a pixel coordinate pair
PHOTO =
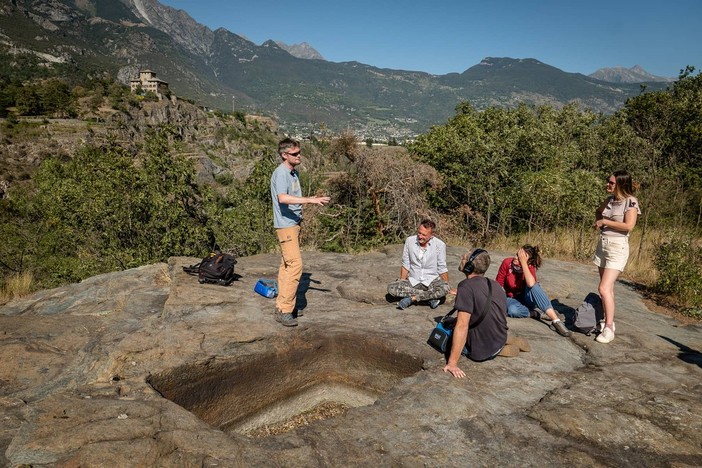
(283, 181)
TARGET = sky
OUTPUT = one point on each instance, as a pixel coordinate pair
(444, 36)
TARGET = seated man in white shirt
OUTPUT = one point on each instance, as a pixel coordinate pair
(423, 275)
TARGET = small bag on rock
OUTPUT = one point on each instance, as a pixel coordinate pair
(216, 268)
(266, 287)
(440, 336)
(588, 314)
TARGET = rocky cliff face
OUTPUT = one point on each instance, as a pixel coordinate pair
(146, 367)
(192, 35)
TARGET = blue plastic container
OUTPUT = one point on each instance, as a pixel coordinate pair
(266, 287)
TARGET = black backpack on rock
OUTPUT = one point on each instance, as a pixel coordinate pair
(216, 268)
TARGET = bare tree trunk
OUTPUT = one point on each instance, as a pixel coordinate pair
(680, 199)
(487, 221)
(376, 209)
(646, 213)
(643, 236)
(578, 241)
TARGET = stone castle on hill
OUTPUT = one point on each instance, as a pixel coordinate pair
(147, 81)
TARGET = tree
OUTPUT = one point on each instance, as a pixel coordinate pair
(378, 199)
(668, 125)
(508, 170)
(105, 209)
(8, 94)
(56, 99)
(28, 101)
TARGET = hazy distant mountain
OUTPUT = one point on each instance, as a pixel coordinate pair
(635, 74)
(222, 69)
(507, 82)
(303, 51)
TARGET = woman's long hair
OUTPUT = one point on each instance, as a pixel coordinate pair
(624, 186)
(534, 256)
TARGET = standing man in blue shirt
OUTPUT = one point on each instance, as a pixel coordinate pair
(423, 275)
(287, 215)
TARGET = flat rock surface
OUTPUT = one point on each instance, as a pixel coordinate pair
(77, 366)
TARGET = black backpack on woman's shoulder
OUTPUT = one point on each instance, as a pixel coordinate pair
(216, 268)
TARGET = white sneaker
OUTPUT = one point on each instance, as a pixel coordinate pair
(601, 326)
(606, 336)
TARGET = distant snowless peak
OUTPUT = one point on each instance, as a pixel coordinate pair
(619, 74)
(303, 51)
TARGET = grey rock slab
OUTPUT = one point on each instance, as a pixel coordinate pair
(76, 362)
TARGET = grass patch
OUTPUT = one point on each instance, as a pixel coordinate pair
(16, 286)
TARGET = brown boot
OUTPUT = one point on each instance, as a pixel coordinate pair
(519, 342)
(560, 328)
(509, 350)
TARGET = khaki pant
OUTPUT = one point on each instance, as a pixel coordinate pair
(290, 269)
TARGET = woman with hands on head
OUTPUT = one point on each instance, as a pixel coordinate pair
(517, 276)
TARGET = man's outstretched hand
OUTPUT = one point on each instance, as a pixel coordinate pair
(455, 371)
(319, 200)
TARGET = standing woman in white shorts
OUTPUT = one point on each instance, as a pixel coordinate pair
(615, 218)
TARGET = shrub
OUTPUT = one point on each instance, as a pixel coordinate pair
(379, 199)
(240, 116)
(678, 262)
(150, 96)
(224, 178)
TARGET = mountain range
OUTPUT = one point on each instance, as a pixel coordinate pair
(635, 74)
(292, 84)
